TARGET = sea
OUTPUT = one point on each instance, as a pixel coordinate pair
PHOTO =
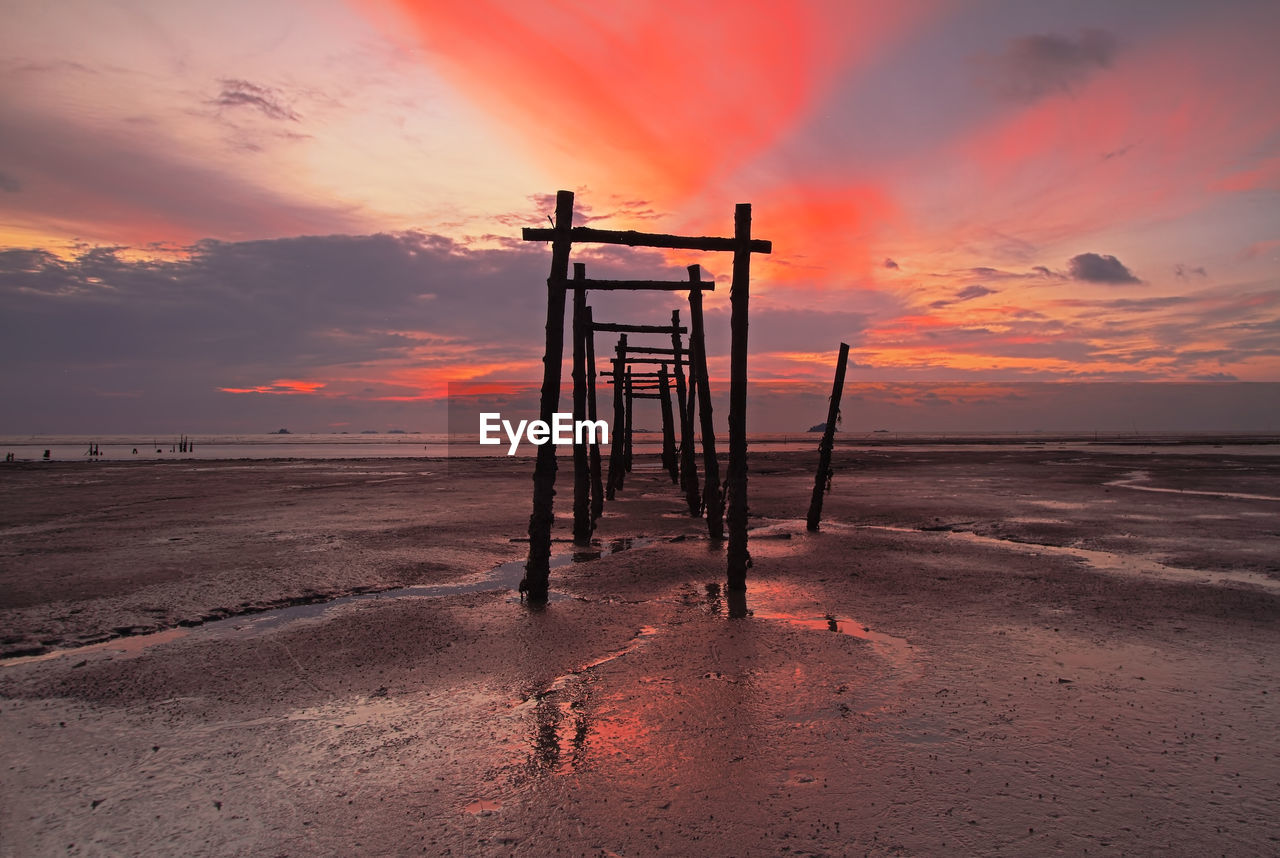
(124, 448)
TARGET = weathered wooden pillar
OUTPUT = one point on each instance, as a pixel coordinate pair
(668, 426)
(698, 366)
(581, 473)
(618, 443)
(739, 297)
(597, 481)
(629, 449)
(538, 567)
(688, 466)
(822, 480)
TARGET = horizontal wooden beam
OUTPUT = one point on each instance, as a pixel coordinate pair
(635, 285)
(631, 238)
(646, 396)
(668, 361)
(637, 329)
(645, 350)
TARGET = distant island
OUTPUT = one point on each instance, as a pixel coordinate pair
(821, 427)
(282, 432)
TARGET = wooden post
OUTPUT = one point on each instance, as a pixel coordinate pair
(668, 427)
(702, 384)
(618, 444)
(822, 480)
(631, 407)
(597, 482)
(688, 466)
(739, 297)
(538, 567)
(581, 473)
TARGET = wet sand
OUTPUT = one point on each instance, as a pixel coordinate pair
(1020, 652)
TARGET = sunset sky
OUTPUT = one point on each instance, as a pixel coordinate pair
(239, 216)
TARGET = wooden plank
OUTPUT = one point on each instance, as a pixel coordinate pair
(632, 285)
(646, 350)
(632, 238)
(614, 328)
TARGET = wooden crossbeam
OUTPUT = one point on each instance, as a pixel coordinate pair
(634, 285)
(646, 396)
(641, 350)
(636, 329)
(650, 360)
(631, 238)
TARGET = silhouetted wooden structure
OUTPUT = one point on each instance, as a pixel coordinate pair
(563, 235)
(822, 480)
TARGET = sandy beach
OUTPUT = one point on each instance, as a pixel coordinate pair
(1012, 651)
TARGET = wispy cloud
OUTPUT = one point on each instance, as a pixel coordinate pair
(268, 101)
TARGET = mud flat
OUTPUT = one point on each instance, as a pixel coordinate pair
(1021, 652)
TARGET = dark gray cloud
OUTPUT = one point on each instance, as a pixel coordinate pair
(107, 340)
(968, 293)
(1186, 272)
(1099, 268)
(9, 184)
(266, 100)
(1032, 67)
(889, 263)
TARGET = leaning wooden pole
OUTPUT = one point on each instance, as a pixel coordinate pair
(538, 567)
(597, 480)
(688, 466)
(739, 297)
(617, 443)
(822, 480)
(668, 427)
(581, 468)
(711, 495)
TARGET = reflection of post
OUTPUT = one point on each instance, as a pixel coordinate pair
(631, 407)
(668, 426)
(597, 487)
(698, 366)
(823, 478)
(739, 296)
(688, 466)
(617, 444)
(538, 567)
(581, 475)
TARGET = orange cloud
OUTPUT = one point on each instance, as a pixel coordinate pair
(285, 386)
(634, 95)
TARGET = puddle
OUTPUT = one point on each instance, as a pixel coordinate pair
(1101, 561)
(505, 576)
(1132, 480)
(561, 723)
(482, 807)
